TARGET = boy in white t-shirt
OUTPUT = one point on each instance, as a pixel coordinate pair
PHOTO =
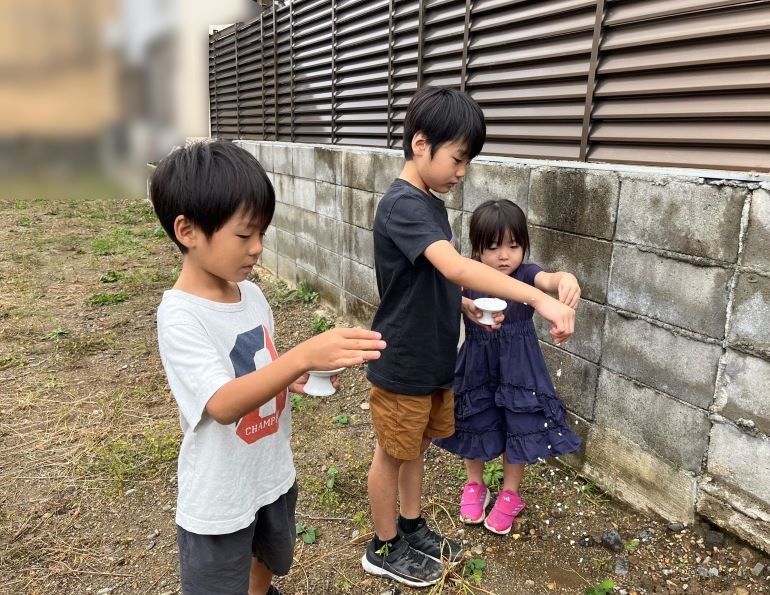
(237, 488)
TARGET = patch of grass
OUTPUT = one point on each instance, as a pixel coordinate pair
(606, 587)
(124, 460)
(493, 474)
(474, 570)
(56, 333)
(631, 545)
(119, 241)
(342, 420)
(111, 277)
(24, 221)
(88, 343)
(328, 497)
(13, 360)
(308, 534)
(297, 403)
(106, 299)
(319, 324)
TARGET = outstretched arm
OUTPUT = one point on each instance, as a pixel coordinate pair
(563, 283)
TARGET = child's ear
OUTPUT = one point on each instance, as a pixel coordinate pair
(186, 233)
(420, 144)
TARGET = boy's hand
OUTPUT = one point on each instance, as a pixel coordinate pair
(342, 348)
(561, 317)
(569, 290)
(472, 312)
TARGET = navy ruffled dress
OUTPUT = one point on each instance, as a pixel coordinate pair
(504, 398)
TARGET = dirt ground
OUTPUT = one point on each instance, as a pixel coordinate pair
(89, 437)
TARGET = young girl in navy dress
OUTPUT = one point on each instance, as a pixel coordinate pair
(505, 402)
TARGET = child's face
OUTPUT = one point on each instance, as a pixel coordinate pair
(232, 251)
(505, 257)
(447, 167)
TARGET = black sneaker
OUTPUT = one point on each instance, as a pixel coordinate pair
(402, 564)
(434, 545)
(273, 591)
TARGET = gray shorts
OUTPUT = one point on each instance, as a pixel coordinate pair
(220, 564)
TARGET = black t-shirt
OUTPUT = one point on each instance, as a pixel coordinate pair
(419, 312)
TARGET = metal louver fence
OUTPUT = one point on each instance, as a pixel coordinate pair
(654, 82)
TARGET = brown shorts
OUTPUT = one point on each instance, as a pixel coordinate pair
(401, 422)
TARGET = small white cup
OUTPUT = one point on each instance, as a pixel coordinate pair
(489, 306)
(319, 383)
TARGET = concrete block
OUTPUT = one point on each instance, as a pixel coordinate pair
(287, 269)
(387, 167)
(303, 162)
(454, 198)
(265, 155)
(307, 255)
(328, 232)
(248, 145)
(284, 188)
(286, 244)
(357, 309)
(586, 258)
(304, 193)
(575, 380)
(331, 294)
(306, 226)
(750, 315)
(269, 259)
(736, 512)
(581, 427)
(359, 280)
(740, 460)
(639, 477)
(330, 266)
(285, 217)
(669, 362)
(270, 236)
(742, 390)
(357, 168)
(465, 243)
(574, 200)
(282, 159)
(493, 181)
(660, 424)
(691, 218)
(358, 244)
(456, 223)
(756, 248)
(358, 207)
(328, 165)
(589, 326)
(674, 291)
(328, 200)
(271, 177)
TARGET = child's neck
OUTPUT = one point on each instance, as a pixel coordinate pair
(199, 282)
(411, 175)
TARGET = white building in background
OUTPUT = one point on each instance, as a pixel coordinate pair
(162, 48)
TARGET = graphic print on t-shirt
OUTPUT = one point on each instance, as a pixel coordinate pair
(254, 349)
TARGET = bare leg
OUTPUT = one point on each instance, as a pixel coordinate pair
(383, 487)
(512, 474)
(475, 470)
(259, 578)
(410, 484)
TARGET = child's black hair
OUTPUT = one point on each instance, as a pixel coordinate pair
(491, 220)
(444, 116)
(208, 182)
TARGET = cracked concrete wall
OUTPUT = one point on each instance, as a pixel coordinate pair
(667, 377)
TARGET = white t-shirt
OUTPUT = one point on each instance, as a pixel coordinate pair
(226, 473)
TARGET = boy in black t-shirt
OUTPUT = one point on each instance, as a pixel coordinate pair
(419, 278)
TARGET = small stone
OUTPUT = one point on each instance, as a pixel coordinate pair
(105, 591)
(740, 591)
(621, 566)
(713, 571)
(558, 512)
(364, 406)
(586, 541)
(393, 591)
(702, 571)
(150, 545)
(355, 533)
(167, 507)
(153, 535)
(128, 493)
(612, 540)
(714, 538)
(746, 554)
(647, 534)
(529, 582)
(675, 527)
(758, 568)
(477, 550)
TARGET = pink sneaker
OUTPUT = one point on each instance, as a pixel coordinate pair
(474, 503)
(507, 507)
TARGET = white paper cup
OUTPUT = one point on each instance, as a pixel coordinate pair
(489, 306)
(319, 383)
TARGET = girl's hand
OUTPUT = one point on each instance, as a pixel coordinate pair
(569, 290)
(472, 312)
(298, 386)
(341, 348)
(561, 317)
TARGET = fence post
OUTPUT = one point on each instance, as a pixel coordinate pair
(420, 41)
(466, 39)
(591, 83)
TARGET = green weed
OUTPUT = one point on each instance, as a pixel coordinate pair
(343, 420)
(111, 277)
(319, 324)
(474, 570)
(606, 587)
(493, 474)
(56, 333)
(308, 534)
(106, 299)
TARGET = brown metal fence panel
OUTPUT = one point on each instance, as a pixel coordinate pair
(654, 82)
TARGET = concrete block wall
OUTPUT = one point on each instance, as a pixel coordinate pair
(667, 377)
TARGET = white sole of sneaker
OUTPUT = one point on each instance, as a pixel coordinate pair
(487, 500)
(379, 571)
(495, 531)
